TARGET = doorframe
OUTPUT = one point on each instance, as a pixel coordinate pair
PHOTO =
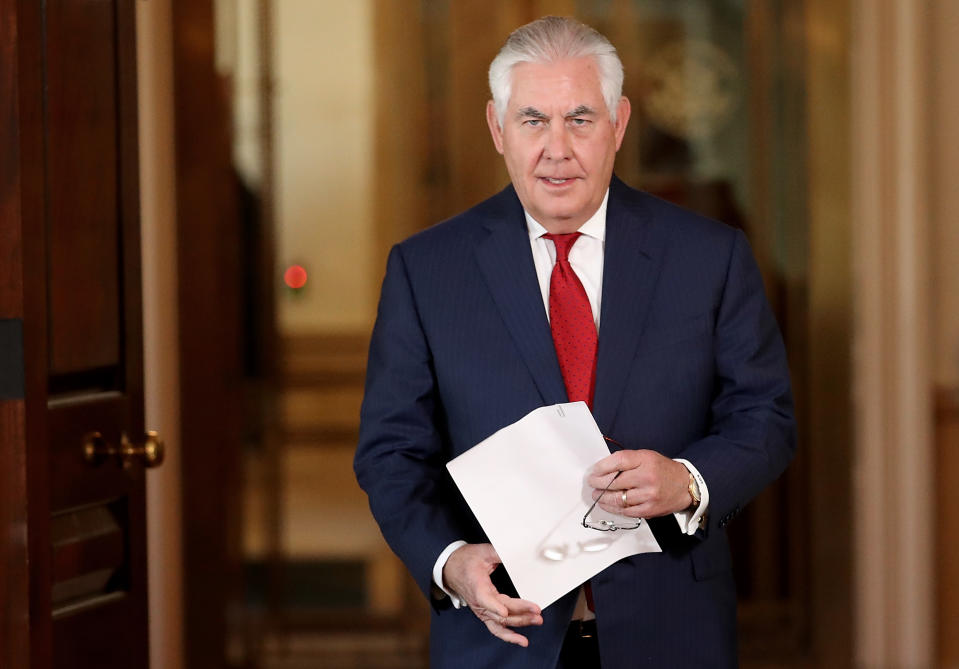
(160, 326)
(14, 549)
(24, 498)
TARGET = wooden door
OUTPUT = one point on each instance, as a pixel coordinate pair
(70, 298)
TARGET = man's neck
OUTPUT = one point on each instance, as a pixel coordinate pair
(594, 226)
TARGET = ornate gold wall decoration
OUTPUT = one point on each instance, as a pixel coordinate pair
(692, 89)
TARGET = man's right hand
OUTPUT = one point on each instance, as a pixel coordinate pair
(467, 573)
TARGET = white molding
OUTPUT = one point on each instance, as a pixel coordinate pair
(160, 327)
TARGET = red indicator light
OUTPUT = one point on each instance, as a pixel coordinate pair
(295, 277)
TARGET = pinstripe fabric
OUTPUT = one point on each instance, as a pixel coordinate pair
(690, 363)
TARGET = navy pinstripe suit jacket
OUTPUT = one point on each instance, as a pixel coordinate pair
(690, 364)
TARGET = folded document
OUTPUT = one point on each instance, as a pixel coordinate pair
(526, 484)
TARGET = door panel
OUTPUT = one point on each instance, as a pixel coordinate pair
(76, 190)
(82, 123)
(97, 527)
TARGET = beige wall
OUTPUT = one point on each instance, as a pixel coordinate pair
(158, 230)
(944, 74)
(237, 42)
(324, 169)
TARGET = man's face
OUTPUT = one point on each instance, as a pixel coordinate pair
(558, 140)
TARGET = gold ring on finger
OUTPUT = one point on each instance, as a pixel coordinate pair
(624, 500)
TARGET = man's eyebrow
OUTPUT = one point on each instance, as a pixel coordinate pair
(582, 110)
(532, 112)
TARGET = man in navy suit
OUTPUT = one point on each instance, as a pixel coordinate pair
(689, 377)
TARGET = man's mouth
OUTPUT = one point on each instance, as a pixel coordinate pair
(556, 182)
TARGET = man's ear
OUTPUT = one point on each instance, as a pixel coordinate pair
(622, 118)
(495, 130)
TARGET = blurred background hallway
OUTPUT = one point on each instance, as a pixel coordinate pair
(285, 145)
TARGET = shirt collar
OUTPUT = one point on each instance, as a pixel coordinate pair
(595, 227)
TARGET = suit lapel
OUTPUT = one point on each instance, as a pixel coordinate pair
(506, 264)
(633, 258)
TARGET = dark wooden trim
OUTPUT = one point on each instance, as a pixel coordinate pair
(326, 342)
(323, 378)
(131, 298)
(341, 621)
(827, 334)
(14, 574)
(33, 218)
(11, 265)
(14, 592)
(947, 523)
(319, 436)
(129, 191)
(322, 360)
(211, 382)
(946, 402)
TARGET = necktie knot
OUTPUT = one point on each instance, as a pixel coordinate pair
(563, 244)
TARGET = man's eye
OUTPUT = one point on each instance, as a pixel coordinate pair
(578, 121)
(534, 122)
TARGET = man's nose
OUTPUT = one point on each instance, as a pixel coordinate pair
(557, 142)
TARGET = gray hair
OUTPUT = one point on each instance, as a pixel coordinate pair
(550, 39)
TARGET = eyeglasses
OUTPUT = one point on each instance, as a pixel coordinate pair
(562, 550)
(607, 524)
(570, 549)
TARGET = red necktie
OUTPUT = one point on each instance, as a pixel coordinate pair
(571, 320)
(574, 334)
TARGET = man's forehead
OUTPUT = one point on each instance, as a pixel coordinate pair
(573, 82)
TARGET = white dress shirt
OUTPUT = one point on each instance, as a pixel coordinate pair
(586, 257)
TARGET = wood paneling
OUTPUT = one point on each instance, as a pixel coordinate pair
(211, 369)
(11, 303)
(14, 594)
(69, 186)
(14, 627)
(29, 26)
(947, 525)
(94, 327)
(81, 113)
(321, 379)
(813, 124)
(476, 170)
(402, 141)
(320, 389)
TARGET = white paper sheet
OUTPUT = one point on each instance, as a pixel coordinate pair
(526, 484)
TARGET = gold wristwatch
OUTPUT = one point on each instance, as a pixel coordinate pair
(693, 492)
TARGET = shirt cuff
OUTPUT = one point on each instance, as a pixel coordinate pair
(440, 591)
(690, 520)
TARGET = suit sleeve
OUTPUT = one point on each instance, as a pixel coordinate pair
(401, 456)
(752, 436)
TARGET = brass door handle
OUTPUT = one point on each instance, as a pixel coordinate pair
(96, 450)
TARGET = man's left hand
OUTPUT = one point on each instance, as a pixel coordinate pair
(654, 484)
